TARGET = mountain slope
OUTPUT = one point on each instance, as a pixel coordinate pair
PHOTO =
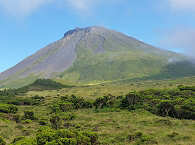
(96, 54)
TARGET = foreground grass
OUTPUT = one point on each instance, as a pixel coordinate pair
(116, 127)
(113, 125)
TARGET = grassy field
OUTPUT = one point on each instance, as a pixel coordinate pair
(113, 125)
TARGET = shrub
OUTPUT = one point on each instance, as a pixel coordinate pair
(173, 134)
(93, 137)
(2, 142)
(62, 107)
(185, 114)
(65, 106)
(8, 92)
(78, 102)
(166, 109)
(29, 115)
(130, 101)
(69, 103)
(133, 137)
(36, 100)
(8, 108)
(141, 139)
(24, 141)
(55, 122)
(42, 122)
(183, 88)
(65, 136)
(164, 122)
(67, 116)
(18, 138)
(16, 118)
(106, 101)
(45, 135)
(27, 121)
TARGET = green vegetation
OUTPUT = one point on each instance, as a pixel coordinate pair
(6, 108)
(125, 115)
(48, 136)
(120, 92)
(2, 142)
(125, 63)
(43, 84)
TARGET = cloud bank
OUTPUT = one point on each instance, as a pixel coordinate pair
(182, 4)
(26, 7)
(81, 5)
(182, 39)
(22, 7)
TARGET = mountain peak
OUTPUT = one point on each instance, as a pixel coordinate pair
(85, 30)
(86, 55)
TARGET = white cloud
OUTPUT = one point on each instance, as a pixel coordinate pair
(182, 39)
(81, 5)
(26, 7)
(21, 7)
(182, 4)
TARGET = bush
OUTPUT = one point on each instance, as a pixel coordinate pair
(77, 102)
(166, 109)
(173, 134)
(141, 139)
(2, 142)
(67, 116)
(24, 141)
(16, 118)
(65, 136)
(8, 92)
(29, 115)
(27, 121)
(8, 108)
(66, 106)
(62, 107)
(93, 137)
(42, 122)
(130, 101)
(183, 88)
(55, 122)
(36, 100)
(18, 138)
(133, 137)
(106, 101)
(45, 135)
(185, 114)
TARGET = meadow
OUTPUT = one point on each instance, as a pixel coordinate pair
(118, 113)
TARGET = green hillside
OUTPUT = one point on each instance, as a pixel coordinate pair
(97, 55)
(126, 64)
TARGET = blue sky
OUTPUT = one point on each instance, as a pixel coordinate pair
(28, 25)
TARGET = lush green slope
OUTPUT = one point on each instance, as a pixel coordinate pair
(126, 64)
(95, 55)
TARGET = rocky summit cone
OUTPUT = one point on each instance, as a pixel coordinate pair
(97, 54)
